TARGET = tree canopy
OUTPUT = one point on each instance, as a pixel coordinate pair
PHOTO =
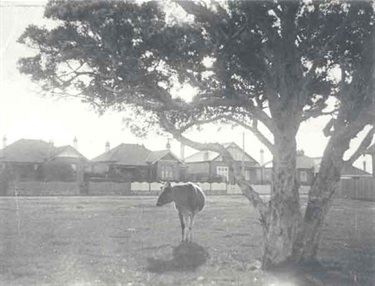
(251, 63)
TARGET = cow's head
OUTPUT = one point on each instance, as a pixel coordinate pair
(166, 195)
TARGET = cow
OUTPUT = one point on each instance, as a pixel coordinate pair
(189, 200)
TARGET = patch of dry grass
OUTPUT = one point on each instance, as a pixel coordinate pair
(129, 241)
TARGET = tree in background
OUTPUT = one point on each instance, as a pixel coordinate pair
(261, 65)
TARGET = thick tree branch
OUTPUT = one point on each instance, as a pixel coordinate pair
(361, 148)
(262, 138)
(200, 122)
(316, 112)
(246, 188)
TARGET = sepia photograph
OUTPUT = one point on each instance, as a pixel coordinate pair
(187, 142)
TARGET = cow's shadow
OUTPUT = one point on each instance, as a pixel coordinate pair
(187, 256)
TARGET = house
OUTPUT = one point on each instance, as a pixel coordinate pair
(28, 159)
(133, 162)
(371, 151)
(209, 166)
(347, 172)
(305, 169)
(351, 172)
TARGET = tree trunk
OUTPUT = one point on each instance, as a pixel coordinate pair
(320, 196)
(284, 218)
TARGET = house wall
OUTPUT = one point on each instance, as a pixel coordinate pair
(199, 168)
(247, 165)
(213, 167)
(21, 171)
(167, 170)
(99, 168)
(309, 176)
(129, 173)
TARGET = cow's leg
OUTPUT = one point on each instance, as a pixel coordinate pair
(188, 228)
(182, 220)
(191, 223)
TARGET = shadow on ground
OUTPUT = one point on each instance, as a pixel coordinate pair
(319, 273)
(187, 256)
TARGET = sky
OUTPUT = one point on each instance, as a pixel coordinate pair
(26, 114)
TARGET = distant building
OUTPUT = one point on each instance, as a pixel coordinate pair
(133, 162)
(305, 169)
(28, 159)
(209, 166)
(351, 172)
(347, 172)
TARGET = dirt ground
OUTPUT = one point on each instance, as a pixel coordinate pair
(130, 241)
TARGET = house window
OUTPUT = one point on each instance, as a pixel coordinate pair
(223, 171)
(167, 172)
(303, 176)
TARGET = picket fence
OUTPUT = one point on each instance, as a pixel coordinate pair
(208, 188)
(155, 187)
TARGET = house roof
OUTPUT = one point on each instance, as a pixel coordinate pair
(132, 155)
(36, 151)
(67, 152)
(125, 154)
(351, 171)
(204, 156)
(155, 156)
(304, 162)
(201, 156)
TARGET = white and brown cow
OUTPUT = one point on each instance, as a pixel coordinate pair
(189, 200)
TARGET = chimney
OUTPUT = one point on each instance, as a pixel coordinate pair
(75, 143)
(182, 152)
(107, 146)
(261, 157)
(168, 146)
(4, 142)
(205, 156)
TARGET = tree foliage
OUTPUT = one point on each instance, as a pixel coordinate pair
(273, 64)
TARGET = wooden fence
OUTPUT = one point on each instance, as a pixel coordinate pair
(361, 189)
(357, 189)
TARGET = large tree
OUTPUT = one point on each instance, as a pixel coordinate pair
(262, 65)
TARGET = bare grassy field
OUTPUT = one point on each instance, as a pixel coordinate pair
(129, 241)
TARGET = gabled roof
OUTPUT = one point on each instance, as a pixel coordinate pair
(156, 156)
(125, 154)
(351, 171)
(67, 151)
(36, 151)
(132, 155)
(202, 156)
(205, 156)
